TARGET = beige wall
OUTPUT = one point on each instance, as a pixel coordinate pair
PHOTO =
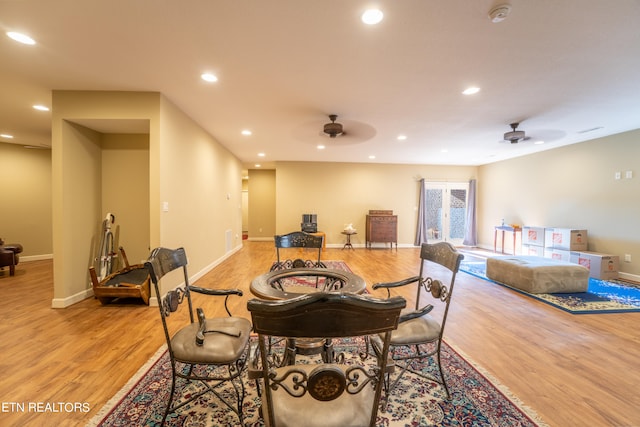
(261, 188)
(343, 193)
(198, 179)
(25, 199)
(125, 191)
(77, 178)
(571, 186)
(202, 183)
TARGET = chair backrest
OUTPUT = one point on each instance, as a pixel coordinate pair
(445, 255)
(298, 239)
(162, 261)
(342, 314)
(324, 315)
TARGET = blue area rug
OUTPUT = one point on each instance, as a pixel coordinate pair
(602, 296)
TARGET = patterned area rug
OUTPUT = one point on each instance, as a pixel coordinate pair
(476, 400)
(602, 296)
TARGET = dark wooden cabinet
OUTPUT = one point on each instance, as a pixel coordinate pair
(382, 227)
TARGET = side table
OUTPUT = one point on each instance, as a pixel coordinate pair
(348, 244)
(514, 230)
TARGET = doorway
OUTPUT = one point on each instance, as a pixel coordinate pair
(446, 211)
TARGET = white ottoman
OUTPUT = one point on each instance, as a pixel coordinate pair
(538, 275)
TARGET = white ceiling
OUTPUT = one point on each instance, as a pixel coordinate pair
(559, 67)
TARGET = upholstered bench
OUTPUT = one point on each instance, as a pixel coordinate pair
(538, 275)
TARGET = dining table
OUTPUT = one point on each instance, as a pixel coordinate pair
(291, 283)
(272, 285)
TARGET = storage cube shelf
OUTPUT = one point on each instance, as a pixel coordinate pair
(533, 236)
(571, 245)
(601, 266)
(567, 239)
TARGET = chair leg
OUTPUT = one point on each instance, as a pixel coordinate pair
(390, 384)
(233, 375)
(240, 394)
(444, 381)
(12, 270)
(171, 393)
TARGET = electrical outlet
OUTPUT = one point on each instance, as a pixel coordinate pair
(628, 174)
(627, 257)
(618, 175)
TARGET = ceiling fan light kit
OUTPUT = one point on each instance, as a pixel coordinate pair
(499, 13)
(333, 129)
(514, 136)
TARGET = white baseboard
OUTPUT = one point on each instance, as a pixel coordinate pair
(66, 302)
(35, 257)
(629, 276)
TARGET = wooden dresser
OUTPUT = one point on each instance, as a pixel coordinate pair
(382, 226)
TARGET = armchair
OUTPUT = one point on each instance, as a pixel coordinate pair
(297, 239)
(337, 393)
(419, 333)
(9, 256)
(209, 351)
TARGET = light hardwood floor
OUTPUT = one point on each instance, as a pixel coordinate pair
(573, 370)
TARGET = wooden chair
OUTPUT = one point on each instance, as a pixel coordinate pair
(339, 393)
(300, 240)
(210, 351)
(418, 338)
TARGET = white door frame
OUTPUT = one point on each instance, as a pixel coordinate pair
(443, 232)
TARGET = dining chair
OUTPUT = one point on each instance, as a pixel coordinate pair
(313, 392)
(418, 339)
(209, 351)
(299, 240)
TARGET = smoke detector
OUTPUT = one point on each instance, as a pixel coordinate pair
(499, 13)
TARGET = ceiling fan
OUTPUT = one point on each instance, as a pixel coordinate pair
(333, 129)
(514, 136)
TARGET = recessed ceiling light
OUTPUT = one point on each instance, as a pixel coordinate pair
(208, 77)
(444, 150)
(372, 157)
(402, 137)
(261, 154)
(320, 147)
(471, 90)
(258, 165)
(6, 135)
(246, 132)
(21, 38)
(372, 16)
(41, 108)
